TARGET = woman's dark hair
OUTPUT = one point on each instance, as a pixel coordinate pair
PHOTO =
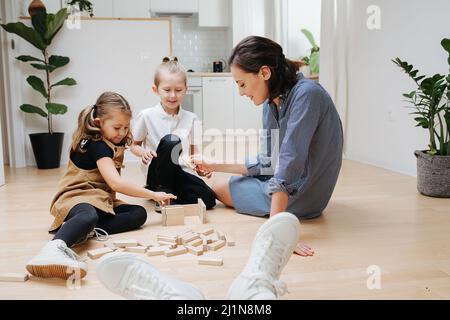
(254, 52)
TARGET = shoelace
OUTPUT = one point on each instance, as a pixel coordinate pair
(137, 275)
(100, 234)
(70, 253)
(261, 279)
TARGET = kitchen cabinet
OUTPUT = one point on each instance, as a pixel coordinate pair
(224, 109)
(218, 105)
(213, 13)
(174, 6)
(138, 9)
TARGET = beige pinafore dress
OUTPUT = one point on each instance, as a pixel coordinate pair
(85, 186)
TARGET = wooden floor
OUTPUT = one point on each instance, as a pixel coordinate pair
(375, 217)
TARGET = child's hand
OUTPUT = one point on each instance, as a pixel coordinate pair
(202, 172)
(163, 198)
(201, 163)
(148, 156)
(304, 250)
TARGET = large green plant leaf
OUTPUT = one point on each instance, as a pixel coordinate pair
(38, 22)
(26, 33)
(56, 108)
(310, 37)
(54, 23)
(28, 59)
(48, 67)
(65, 82)
(446, 45)
(38, 85)
(58, 61)
(314, 62)
(28, 108)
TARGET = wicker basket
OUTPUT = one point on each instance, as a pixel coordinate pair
(433, 175)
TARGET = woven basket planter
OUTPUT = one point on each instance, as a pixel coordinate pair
(433, 175)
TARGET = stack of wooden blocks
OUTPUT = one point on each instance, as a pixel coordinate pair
(174, 215)
(195, 243)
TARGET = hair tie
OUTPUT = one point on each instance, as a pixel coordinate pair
(94, 111)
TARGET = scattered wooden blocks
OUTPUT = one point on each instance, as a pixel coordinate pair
(189, 237)
(198, 251)
(157, 251)
(14, 277)
(230, 241)
(175, 252)
(172, 239)
(148, 244)
(138, 249)
(195, 243)
(207, 231)
(210, 261)
(97, 253)
(125, 243)
(216, 245)
(220, 235)
(171, 245)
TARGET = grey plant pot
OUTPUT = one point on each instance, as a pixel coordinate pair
(433, 175)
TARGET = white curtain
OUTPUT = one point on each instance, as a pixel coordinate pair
(333, 54)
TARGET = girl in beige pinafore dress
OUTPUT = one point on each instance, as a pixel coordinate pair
(86, 198)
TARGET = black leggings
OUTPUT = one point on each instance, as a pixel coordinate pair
(83, 218)
(164, 173)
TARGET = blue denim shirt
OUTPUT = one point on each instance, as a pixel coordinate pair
(309, 142)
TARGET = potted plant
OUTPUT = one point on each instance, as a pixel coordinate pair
(432, 112)
(311, 62)
(45, 26)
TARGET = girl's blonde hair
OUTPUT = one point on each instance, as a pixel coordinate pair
(88, 129)
(170, 65)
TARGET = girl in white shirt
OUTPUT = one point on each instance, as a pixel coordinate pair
(165, 133)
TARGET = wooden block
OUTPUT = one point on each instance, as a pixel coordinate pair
(202, 211)
(138, 249)
(14, 277)
(97, 253)
(230, 241)
(175, 252)
(148, 244)
(157, 251)
(168, 244)
(189, 238)
(221, 235)
(216, 245)
(125, 243)
(110, 245)
(171, 239)
(174, 216)
(210, 261)
(195, 243)
(206, 232)
(205, 245)
(198, 251)
(214, 237)
(191, 210)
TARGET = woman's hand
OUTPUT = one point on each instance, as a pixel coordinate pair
(163, 198)
(148, 156)
(304, 250)
(202, 166)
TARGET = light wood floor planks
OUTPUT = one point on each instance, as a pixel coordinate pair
(375, 217)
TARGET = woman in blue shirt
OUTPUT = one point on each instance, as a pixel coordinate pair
(301, 146)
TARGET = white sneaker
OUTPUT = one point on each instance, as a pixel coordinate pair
(273, 246)
(56, 260)
(135, 278)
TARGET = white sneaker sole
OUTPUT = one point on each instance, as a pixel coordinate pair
(55, 271)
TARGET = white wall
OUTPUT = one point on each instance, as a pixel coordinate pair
(302, 14)
(379, 129)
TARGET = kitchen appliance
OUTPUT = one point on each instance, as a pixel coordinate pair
(193, 101)
(218, 66)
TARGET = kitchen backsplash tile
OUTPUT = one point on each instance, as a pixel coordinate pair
(195, 47)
